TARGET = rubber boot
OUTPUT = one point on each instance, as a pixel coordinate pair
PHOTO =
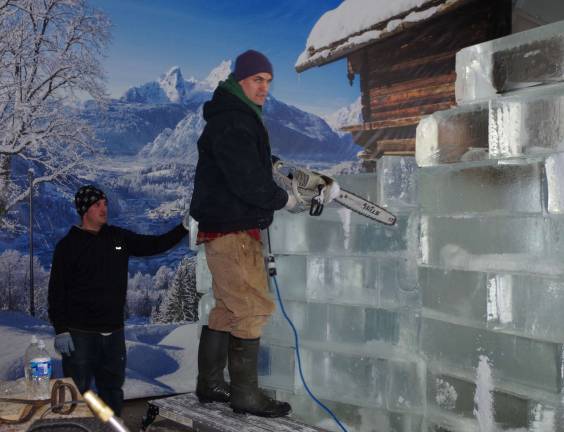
(246, 397)
(212, 359)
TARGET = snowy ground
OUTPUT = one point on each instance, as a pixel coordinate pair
(161, 358)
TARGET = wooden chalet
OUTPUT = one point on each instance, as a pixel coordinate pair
(406, 64)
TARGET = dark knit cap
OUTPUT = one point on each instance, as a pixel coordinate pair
(86, 196)
(249, 63)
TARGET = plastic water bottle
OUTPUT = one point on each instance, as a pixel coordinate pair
(38, 368)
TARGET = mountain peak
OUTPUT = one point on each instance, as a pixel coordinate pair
(346, 116)
(173, 85)
(217, 74)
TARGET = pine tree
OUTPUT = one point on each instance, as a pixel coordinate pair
(181, 300)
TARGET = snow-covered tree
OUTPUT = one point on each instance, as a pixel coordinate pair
(162, 278)
(14, 283)
(49, 56)
(181, 300)
(141, 295)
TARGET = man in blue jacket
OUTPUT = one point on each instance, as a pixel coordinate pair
(235, 197)
(87, 293)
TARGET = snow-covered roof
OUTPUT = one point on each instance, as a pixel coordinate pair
(356, 23)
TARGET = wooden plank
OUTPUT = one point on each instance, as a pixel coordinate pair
(410, 63)
(377, 149)
(412, 84)
(391, 123)
(217, 417)
(444, 91)
(387, 77)
(412, 111)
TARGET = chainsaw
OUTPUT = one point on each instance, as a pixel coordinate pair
(311, 189)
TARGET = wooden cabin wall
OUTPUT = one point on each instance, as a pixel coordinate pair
(412, 73)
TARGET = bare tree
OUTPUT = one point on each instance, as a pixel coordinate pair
(50, 53)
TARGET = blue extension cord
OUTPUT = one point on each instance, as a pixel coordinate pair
(297, 345)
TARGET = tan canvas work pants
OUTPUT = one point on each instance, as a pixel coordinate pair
(240, 287)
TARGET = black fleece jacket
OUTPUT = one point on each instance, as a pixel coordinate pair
(233, 188)
(88, 282)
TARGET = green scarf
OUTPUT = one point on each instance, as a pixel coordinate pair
(234, 88)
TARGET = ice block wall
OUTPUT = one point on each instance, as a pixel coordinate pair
(349, 285)
(490, 252)
(453, 319)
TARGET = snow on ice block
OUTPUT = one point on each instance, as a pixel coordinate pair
(454, 135)
(353, 417)
(527, 305)
(514, 360)
(486, 187)
(186, 410)
(525, 244)
(520, 60)
(528, 122)
(336, 231)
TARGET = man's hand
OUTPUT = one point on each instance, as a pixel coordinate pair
(330, 192)
(64, 344)
(292, 201)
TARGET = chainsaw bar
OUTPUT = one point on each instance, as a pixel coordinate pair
(346, 198)
(365, 208)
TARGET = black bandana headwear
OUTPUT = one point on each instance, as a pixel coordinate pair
(86, 196)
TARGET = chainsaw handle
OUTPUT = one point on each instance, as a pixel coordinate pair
(315, 208)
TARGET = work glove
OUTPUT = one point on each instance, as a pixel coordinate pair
(64, 344)
(330, 192)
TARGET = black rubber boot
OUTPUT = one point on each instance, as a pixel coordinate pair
(212, 359)
(246, 397)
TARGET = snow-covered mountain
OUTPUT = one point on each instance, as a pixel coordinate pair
(294, 134)
(217, 74)
(346, 116)
(152, 145)
(178, 143)
(169, 88)
(172, 88)
(125, 127)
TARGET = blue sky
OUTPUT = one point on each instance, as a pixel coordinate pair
(150, 36)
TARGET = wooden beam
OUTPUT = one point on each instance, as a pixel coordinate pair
(442, 91)
(416, 111)
(377, 149)
(385, 89)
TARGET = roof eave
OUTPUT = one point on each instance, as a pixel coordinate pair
(342, 49)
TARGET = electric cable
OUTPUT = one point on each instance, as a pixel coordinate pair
(272, 273)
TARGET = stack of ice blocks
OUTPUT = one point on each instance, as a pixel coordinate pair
(349, 286)
(491, 239)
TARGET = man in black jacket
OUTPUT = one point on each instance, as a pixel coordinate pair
(235, 197)
(87, 292)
